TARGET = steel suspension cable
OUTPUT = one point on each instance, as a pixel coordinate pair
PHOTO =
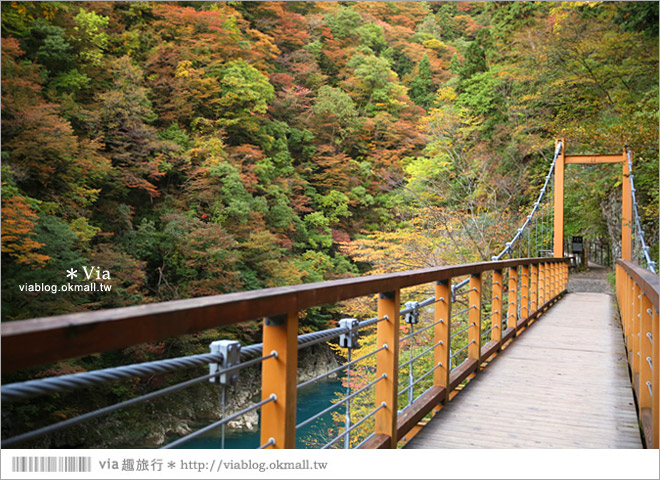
(509, 246)
(650, 264)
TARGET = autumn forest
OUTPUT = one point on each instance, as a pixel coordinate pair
(200, 148)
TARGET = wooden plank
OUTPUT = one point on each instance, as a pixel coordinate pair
(535, 426)
(489, 349)
(418, 410)
(567, 394)
(593, 159)
(508, 334)
(462, 372)
(378, 441)
(487, 430)
(491, 438)
(33, 342)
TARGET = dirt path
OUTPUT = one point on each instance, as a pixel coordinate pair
(593, 280)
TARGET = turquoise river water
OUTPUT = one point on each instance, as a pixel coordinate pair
(311, 400)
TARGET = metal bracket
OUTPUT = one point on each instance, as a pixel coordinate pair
(349, 339)
(412, 317)
(231, 356)
(276, 320)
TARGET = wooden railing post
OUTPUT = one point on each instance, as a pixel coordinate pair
(655, 335)
(561, 277)
(279, 377)
(388, 363)
(627, 315)
(636, 334)
(646, 354)
(624, 305)
(474, 317)
(547, 294)
(524, 292)
(534, 289)
(496, 306)
(512, 298)
(558, 230)
(619, 288)
(626, 211)
(442, 334)
(541, 284)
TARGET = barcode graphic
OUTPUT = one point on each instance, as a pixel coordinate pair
(51, 464)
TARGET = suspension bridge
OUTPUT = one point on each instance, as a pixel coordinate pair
(496, 354)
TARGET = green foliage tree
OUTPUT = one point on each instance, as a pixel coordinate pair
(244, 92)
(372, 36)
(422, 89)
(344, 22)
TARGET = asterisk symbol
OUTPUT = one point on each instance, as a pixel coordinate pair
(171, 465)
(72, 273)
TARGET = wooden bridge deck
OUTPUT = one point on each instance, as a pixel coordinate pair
(563, 384)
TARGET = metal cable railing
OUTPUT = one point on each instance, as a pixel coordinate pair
(419, 355)
(340, 368)
(44, 386)
(341, 402)
(31, 388)
(308, 339)
(28, 389)
(412, 385)
(224, 421)
(461, 331)
(421, 330)
(355, 425)
(639, 233)
(112, 408)
(462, 348)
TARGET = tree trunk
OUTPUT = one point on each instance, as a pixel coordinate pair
(611, 208)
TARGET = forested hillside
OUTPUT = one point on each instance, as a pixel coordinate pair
(197, 148)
